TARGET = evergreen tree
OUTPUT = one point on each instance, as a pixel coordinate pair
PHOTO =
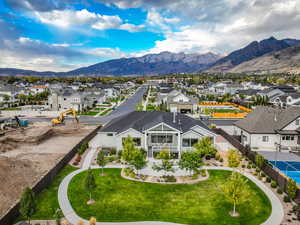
(27, 204)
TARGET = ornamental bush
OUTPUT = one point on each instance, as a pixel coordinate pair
(273, 184)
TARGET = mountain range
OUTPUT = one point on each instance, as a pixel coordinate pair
(269, 55)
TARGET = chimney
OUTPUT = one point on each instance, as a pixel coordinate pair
(174, 117)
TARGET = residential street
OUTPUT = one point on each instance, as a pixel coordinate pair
(124, 108)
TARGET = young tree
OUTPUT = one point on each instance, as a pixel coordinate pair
(90, 183)
(138, 160)
(259, 160)
(166, 165)
(204, 147)
(128, 148)
(292, 188)
(101, 160)
(190, 161)
(27, 204)
(234, 158)
(235, 190)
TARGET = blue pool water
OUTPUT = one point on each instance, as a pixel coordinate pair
(290, 169)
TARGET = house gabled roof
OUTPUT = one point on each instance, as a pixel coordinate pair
(142, 121)
(267, 120)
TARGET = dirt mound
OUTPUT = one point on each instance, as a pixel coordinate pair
(15, 175)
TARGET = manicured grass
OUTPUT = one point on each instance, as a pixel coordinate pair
(208, 111)
(118, 199)
(47, 202)
(12, 109)
(90, 113)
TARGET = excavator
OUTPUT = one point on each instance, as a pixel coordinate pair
(61, 118)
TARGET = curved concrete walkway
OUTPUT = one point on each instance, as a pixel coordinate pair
(65, 205)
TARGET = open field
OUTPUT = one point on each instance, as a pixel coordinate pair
(26, 155)
(118, 199)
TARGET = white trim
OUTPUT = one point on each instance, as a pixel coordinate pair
(128, 130)
(194, 132)
(212, 133)
(162, 123)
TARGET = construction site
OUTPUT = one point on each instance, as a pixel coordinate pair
(28, 152)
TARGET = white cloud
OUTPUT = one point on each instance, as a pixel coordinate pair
(67, 18)
(158, 22)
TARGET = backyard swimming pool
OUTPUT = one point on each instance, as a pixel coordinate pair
(290, 169)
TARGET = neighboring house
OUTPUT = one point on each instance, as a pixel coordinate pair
(60, 101)
(109, 89)
(225, 88)
(292, 99)
(273, 92)
(268, 128)
(154, 131)
(181, 103)
(38, 89)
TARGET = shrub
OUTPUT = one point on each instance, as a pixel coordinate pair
(296, 210)
(78, 159)
(249, 166)
(263, 174)
(268, 179)
(169, 178)
(286, 198)
(234, 158)
(217, 157)
(243, 166)
(257, 170)
(203, 173)
(273, 184)
(221, 160)
(292, 188)
(279, 191)
(129, 172)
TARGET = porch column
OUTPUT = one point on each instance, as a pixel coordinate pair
(179, 145)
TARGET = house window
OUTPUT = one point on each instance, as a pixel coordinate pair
(287, 138)
(189, 142)
(298, 122)
(109, 134)
(265, 138)
(137, 141)
(159, 138)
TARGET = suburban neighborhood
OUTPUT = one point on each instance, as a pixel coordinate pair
(149, 112)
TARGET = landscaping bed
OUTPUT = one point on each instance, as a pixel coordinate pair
(121, 200)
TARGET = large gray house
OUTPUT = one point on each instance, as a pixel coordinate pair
(154, 131)
(268, 128)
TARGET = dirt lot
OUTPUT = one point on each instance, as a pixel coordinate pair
(26, 155)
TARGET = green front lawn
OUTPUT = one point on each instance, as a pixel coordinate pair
(121, 200)
(47, 202)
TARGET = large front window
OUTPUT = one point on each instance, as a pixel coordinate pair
(160, 138)
(189, 142)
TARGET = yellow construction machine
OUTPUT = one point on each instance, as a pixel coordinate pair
(61, 118)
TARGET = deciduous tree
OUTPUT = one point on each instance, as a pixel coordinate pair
(90, 183)
(235, 190)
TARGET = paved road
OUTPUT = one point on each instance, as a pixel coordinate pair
(124, 108)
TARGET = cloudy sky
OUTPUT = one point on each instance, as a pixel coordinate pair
(61, 35)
